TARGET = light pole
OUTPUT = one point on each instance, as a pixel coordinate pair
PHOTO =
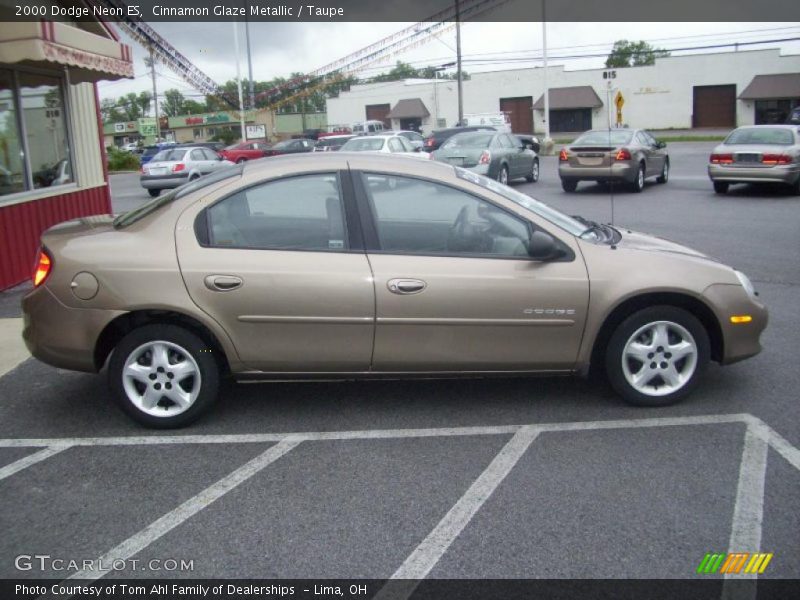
(239, 79)
(547, 141)
(458, 61)
(155, 93)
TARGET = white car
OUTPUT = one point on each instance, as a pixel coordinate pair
(131, 147)
(386, 144)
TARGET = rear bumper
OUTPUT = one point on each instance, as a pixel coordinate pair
(619, 171)
(61, 336)
(161, 182)
(787, 174)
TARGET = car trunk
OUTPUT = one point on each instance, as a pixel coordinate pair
(461, 157)
(593, 156)
(162, 167)
(750, 155)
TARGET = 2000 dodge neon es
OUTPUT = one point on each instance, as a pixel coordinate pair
(357, 265)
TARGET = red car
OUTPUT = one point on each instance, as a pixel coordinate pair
(251, 150)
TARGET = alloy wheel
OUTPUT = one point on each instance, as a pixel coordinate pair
(659, 358)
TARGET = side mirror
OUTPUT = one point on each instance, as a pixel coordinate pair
(542, 246)
(660, 145)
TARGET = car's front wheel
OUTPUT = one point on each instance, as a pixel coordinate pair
(163, 376)
(153, 193)
(656, 356)
(533, 176)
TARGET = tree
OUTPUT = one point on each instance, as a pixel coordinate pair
(110, 111)
(143, 100)
(633, 54)
(193, 107)
(173, 104)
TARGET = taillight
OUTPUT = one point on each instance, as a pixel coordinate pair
(721, 159)
(178, 167)
(775, 159)
(43, 266)
(429, 142)
(485, 158)
(563, 156)
(623, 154)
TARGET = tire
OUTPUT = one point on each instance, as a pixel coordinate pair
(502, 175)
(183, 352)
(664, 177)
(153, 193)
(241, 160)
(533, 176)
(657, 335)
(569, 185)
(721, 187)
(794, 189)
(194, 177)
(638, 183)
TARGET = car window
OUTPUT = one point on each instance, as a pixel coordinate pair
(210, 154)
(416, 216)
(515, 143)
(602, 138)
(650, 139)
(502, 141)
(364, 144)
(294, 213)
(407, 147)
(169, 155)
(197, 155)
(642, 139)
(761, 135)
(395, 145)
(469, 140)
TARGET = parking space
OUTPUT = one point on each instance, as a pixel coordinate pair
(525, 477)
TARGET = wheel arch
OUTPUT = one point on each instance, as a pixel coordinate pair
(627, 307)
(119, 327)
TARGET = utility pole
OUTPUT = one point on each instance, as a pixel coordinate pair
(239, 79)
(547, 140)
(155, 93)
(252, 94)
(458, 61)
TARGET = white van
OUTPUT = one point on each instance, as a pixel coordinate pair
(498, 120)
(368, 127)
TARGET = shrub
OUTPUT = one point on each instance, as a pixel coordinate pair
(119, 160)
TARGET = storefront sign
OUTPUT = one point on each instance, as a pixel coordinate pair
(147, 126)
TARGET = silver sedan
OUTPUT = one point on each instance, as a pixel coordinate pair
(173, 167)
(757, 154)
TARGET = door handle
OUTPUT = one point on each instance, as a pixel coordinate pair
(223, 283)
(405, 286)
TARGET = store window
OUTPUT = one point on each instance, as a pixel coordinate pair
(770, 112)
(34, 142)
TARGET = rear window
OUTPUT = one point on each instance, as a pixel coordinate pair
(604, 138)
(761, 135)
(469, 140)
(367, 144)
(169, 155)
(150, 151)
(128, 218)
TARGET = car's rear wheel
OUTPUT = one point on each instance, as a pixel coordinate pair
(664, 177)
(721, 187)
(533, 176)
(153, 193)
(502, 175)
(638, 183)
(569, 185)
(163, 376)
(656, 356)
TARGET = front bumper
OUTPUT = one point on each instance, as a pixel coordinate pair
(619, 171)
(162, 182)
(61, 336)
(787, 174)
(739, 341)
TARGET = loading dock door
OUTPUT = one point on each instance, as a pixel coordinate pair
(378, 112)
(520, 112)
(714, 106)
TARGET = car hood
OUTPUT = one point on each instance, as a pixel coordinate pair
(634, 240)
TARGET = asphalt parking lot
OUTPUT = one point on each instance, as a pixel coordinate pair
(515, 478)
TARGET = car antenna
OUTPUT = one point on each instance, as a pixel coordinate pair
(608, 119)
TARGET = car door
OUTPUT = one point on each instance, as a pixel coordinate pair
(213, 159)
(521, 160)
(197, 162)
(659, 154)
(455, 288)
(275, 266)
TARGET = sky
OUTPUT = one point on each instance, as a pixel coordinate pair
(278, 49)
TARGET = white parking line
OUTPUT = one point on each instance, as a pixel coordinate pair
(12, 348)
(427, 554)
(31, 459)
(139, 541)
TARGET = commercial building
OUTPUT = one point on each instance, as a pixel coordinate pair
(52, 164)
(720, 90)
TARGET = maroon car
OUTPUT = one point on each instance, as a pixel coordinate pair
(251, 150)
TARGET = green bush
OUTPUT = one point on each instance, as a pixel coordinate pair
(119, 160)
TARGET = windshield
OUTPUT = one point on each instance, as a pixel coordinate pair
(169, 155)
(367, 144)
(604, 138)
(283, 144)
(128, 218)
(567, 223)
(469, 140)
(761, 135)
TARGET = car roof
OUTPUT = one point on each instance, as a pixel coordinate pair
(789, 126)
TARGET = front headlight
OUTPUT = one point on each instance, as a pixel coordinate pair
(746, 284)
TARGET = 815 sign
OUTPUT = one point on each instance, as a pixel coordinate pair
(610, 74)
